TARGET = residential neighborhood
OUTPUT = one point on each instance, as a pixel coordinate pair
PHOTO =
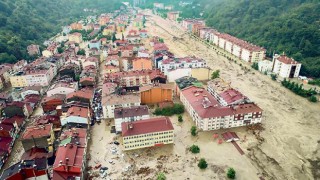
(116, 99)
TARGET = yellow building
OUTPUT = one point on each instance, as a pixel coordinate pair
(202, 74)
(107, 31)
(147, 133)
(18, 81)
(76, 37)
(47, 53)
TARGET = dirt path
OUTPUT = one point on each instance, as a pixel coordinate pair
(291, 122)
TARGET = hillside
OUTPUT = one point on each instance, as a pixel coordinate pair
(23, 22)
(278, 25)
(290, 26)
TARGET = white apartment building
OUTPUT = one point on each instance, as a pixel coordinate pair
(130, 114)
(111, 102)
(187, 62)
(285, 67)
(147, 133)
(208, 114)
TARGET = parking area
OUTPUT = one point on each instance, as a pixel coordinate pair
(96, 107)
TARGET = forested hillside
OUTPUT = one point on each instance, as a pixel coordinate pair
(290, 26)
(23, 22)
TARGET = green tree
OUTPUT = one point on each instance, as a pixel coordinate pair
(202, 164)
(161, 176)
(60, 50)
(194, 149)
(313, 98)
(255, 66)
(81, 52)
(274, 77)
(180, 119)
(215, 74)
(193, 130)
(231, 174)
(114, 38)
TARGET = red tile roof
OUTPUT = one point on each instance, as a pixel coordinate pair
(86, 93)
(160, 47)
(69, 159)
(78, 111)
(6, 127)
(18, 119)
(35, 153)
(54, 97)
(232, 95)
(151, 73)
(37, 131)
(204, 103)
(158, 124)
(286, 60)
(5, 143)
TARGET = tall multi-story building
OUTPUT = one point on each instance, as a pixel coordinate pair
(285, 67)
(147, 133)
(209, 114)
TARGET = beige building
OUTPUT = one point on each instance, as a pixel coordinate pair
(18, 81)
(202, 74)
(76, 37)
(147, 133)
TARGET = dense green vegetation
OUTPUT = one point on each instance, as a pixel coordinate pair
(298, 89)
(202, 164)
(314, 82)
(290, 26)
(169, 111)
(193, 131)
(23, 22)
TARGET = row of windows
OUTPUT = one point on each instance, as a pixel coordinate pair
(147, 135)
(148, 139)
(147, 144)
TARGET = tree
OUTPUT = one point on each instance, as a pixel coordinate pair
(193, 130)
(180, 119)
(114, 38)
(274, 77)
(255, 66)
(81, 52)
(60, 50)
(313, 98)
(231, 174)
(194, 149)
(161, 176)
(202, 164)
(215, 74)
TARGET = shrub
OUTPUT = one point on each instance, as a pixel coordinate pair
(231, 174)
(194, 149)
(180, 119)
(202, 164)
(193, 130)
(255, 66)
(161, 176)
(313, 98)
(169, 111)
(215, 74)
(274, 77)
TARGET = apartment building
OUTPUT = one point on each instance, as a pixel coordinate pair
(76, 37)
(62, 88)
(111, 102)
(173, 15)
(174, 63)
(130, 114)
(41, 136)
(147, 133)
(40, 75)
(285, 67)
(208, 114)
(136, 78)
